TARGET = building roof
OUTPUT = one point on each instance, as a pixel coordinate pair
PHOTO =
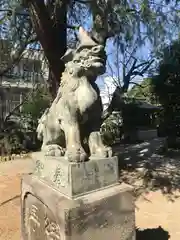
(146, 105)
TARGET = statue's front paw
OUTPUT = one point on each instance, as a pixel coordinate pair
(76, 155)
(53, 150)
(103, 152)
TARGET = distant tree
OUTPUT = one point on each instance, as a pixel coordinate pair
(19, 128)
(166, 86)
(125, 65)
(36, 103)
(149, 25)
(144, 90)
(17, 32)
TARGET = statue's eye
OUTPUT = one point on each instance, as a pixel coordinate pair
(96, 49)
(88, 65)
(85, 50)
(76, 61)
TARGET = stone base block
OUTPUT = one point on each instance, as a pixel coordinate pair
(75, 179)
(47, 214)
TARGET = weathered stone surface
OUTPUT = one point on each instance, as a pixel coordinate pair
(75, 115)
(74, 179)
(48, 214)
(67, 197)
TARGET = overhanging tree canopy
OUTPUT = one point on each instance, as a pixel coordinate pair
(166, 86)
(129, 20)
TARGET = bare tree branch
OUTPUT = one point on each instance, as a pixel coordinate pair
(144, 63)
(117, 83)
(134, 72)
(18, 55)
(137, 84)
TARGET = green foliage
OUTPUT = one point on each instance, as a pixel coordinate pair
(131, 116)
(111, 128)
(13, 135)
(143, 91)
(167, 87)
(137, 19)
(130, 20)
(19, 130)
(33, 109)
(132, 24)
(137, 25)
(38, 101)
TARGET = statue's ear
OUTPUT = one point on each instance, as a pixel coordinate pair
(68, 56)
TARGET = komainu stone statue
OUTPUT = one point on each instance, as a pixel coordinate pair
(75, 114)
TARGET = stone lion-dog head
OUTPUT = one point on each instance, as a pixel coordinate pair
(88, 59)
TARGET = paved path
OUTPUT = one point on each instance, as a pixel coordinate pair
(152, 211)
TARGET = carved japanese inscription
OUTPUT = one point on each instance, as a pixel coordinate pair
(39, 222)
(59, 178)
(39, 167)
(52, 230)
(33, 218)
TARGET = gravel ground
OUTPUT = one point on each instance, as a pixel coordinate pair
(156, 181)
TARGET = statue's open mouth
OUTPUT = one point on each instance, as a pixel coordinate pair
(98, 60)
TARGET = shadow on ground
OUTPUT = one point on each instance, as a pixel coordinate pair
(152, 233)
(142, 166)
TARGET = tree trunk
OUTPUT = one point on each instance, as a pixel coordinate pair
(100, 21)
(52, 35)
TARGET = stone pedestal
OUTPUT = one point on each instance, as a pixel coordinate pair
(70, 201)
